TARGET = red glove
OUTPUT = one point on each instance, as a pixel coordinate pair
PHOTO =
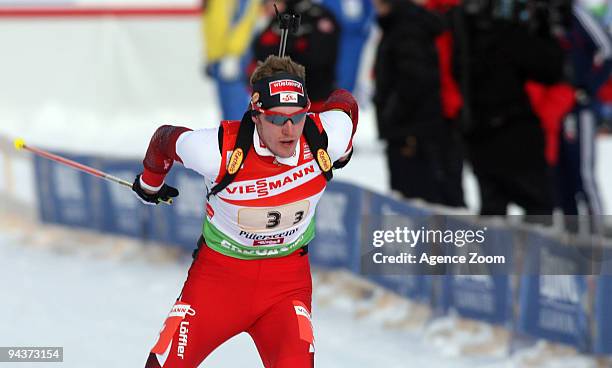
(343, 100)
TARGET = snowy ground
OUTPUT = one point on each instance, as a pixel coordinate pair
(104, 298)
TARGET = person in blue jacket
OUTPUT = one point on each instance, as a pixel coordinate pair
(589, 59)
(356, 18)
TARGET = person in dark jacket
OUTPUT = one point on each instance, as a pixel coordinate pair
(315, 45)
(590, 62)
(504, 137)
(408, 102)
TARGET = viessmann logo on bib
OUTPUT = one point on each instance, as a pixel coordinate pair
(253, 189)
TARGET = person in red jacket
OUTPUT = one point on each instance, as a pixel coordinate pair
(452, 102)
(264, 177)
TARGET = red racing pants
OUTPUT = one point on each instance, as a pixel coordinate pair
(270, 299)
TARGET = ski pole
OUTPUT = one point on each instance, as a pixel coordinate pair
(287, 22)
(20, 144)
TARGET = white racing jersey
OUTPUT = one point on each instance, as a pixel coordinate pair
(268, 210)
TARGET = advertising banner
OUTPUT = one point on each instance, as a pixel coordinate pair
(118, 209)
(553, 305)
(388, 216)
(66, 196)
(338, 226)
(181, 223)
(477, 290)
(602, 334)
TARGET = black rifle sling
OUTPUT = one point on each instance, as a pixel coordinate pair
(317, 141)
(340, 164)
(244, 141)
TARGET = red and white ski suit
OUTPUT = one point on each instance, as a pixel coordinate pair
(248, 276)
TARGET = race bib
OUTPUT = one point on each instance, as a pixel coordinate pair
(272, 218)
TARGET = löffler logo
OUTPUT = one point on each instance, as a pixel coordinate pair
(173, 322)
(182, 339)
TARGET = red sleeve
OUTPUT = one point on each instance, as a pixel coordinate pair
(343, 100)
(551, 104)
(452, 101)
(161, 154)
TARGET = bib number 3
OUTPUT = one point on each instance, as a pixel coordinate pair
(274, 218)
(277, 218)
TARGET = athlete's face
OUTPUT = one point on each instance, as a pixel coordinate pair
(280, 139)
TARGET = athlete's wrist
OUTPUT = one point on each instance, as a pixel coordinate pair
(151, 181)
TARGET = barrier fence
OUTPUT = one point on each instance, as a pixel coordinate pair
(530, 296)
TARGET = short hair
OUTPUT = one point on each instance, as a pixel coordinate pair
(276, 64)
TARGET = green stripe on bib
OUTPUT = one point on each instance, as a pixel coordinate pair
(223, 244)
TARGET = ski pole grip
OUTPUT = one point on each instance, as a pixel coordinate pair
(19, 144)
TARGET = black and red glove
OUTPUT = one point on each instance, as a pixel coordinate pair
(164, 194)
(342, 99)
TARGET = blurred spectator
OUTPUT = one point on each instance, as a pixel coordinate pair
(551, 104)
(589, 51)
(356, 18)
(452, 102)
(408, 103)
(605, 93)
(505, 143)
(315, 45)
(605, 107)
(228, 29)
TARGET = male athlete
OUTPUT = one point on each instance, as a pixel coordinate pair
(264, 176)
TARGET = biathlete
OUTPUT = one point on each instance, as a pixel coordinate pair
(264, 177)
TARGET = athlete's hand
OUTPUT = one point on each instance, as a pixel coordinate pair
(164, 194)
(343, 100)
